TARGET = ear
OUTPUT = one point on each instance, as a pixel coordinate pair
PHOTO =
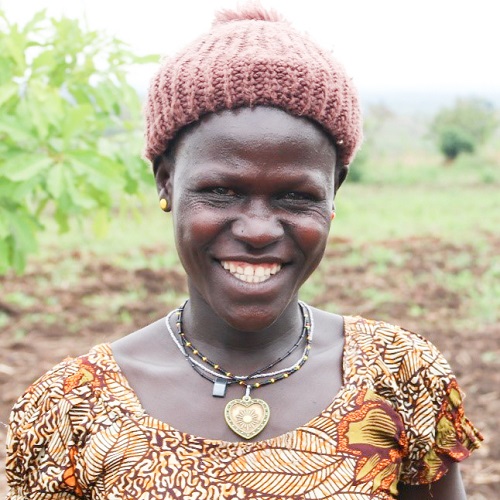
(340, 175)
(163, 168)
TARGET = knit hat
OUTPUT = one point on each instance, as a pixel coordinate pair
(252, 57)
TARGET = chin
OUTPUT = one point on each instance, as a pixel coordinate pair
(252, 318)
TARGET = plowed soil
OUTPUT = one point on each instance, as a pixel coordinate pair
(46, 317)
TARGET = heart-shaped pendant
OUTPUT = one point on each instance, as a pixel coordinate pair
(246, 416)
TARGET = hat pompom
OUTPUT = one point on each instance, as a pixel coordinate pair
(251, 11)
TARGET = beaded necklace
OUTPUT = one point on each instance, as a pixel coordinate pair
(246, 416)
(225, 376)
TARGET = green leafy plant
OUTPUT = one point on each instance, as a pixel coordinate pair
(375, 118)
(463, 127)
(453, 140)
(69, 140)
(356, 169)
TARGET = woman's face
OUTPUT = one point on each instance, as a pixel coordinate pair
(251, 192)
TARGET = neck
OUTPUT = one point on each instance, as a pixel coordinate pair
(235, 349)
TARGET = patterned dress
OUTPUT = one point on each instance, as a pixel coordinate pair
(81, 432)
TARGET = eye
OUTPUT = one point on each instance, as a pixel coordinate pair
(222, 191)
(297, 196)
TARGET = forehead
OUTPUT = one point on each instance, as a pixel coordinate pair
(268, 132)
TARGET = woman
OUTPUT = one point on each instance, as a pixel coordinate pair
(245, 392)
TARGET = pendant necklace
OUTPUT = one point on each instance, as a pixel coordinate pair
(245, 416)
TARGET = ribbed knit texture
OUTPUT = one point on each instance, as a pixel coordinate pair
(251, 58)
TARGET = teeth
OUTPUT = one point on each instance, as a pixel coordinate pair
(250, 273)
(251, 279)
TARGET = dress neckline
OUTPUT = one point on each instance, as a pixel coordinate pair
(133, 404)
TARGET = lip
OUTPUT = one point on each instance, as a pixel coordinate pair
(253, 260)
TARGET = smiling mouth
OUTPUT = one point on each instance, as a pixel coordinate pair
(251, 273)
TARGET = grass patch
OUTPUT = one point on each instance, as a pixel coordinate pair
(486, 294)
(19, 299)
(372, 212)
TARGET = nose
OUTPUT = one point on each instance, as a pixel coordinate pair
(258, 226)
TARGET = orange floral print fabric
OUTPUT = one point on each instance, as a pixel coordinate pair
(81, 432)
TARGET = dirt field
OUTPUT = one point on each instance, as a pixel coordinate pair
(47, 318)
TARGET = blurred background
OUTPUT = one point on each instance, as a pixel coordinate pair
(86, 255)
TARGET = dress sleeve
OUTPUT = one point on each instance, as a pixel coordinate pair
(438, 431)
(42, 440)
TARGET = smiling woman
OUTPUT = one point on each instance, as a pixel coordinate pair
(250, 131)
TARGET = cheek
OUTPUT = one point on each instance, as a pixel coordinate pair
(313, 236)
(194, 228)
(190, 239)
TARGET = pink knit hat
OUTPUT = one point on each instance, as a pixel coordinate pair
(252, 57)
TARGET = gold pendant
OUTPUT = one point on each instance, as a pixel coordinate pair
(246, 416)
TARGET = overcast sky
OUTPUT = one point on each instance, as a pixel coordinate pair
(441, 45)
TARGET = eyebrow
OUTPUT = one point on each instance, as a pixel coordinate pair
(293, 179)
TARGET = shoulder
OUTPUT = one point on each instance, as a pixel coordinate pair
(65, 378)
(410, 373)
(385, 333)
(54, 414)
(50, 398)
(401, 366)
(399, 350)
(147, 345)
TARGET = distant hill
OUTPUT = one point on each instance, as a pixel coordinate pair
(422, 102)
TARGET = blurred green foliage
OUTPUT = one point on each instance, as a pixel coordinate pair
(464, 127)
(69, 140)
(453, 140)
(375, 117)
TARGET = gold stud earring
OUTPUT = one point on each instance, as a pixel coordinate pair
(164, 204)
